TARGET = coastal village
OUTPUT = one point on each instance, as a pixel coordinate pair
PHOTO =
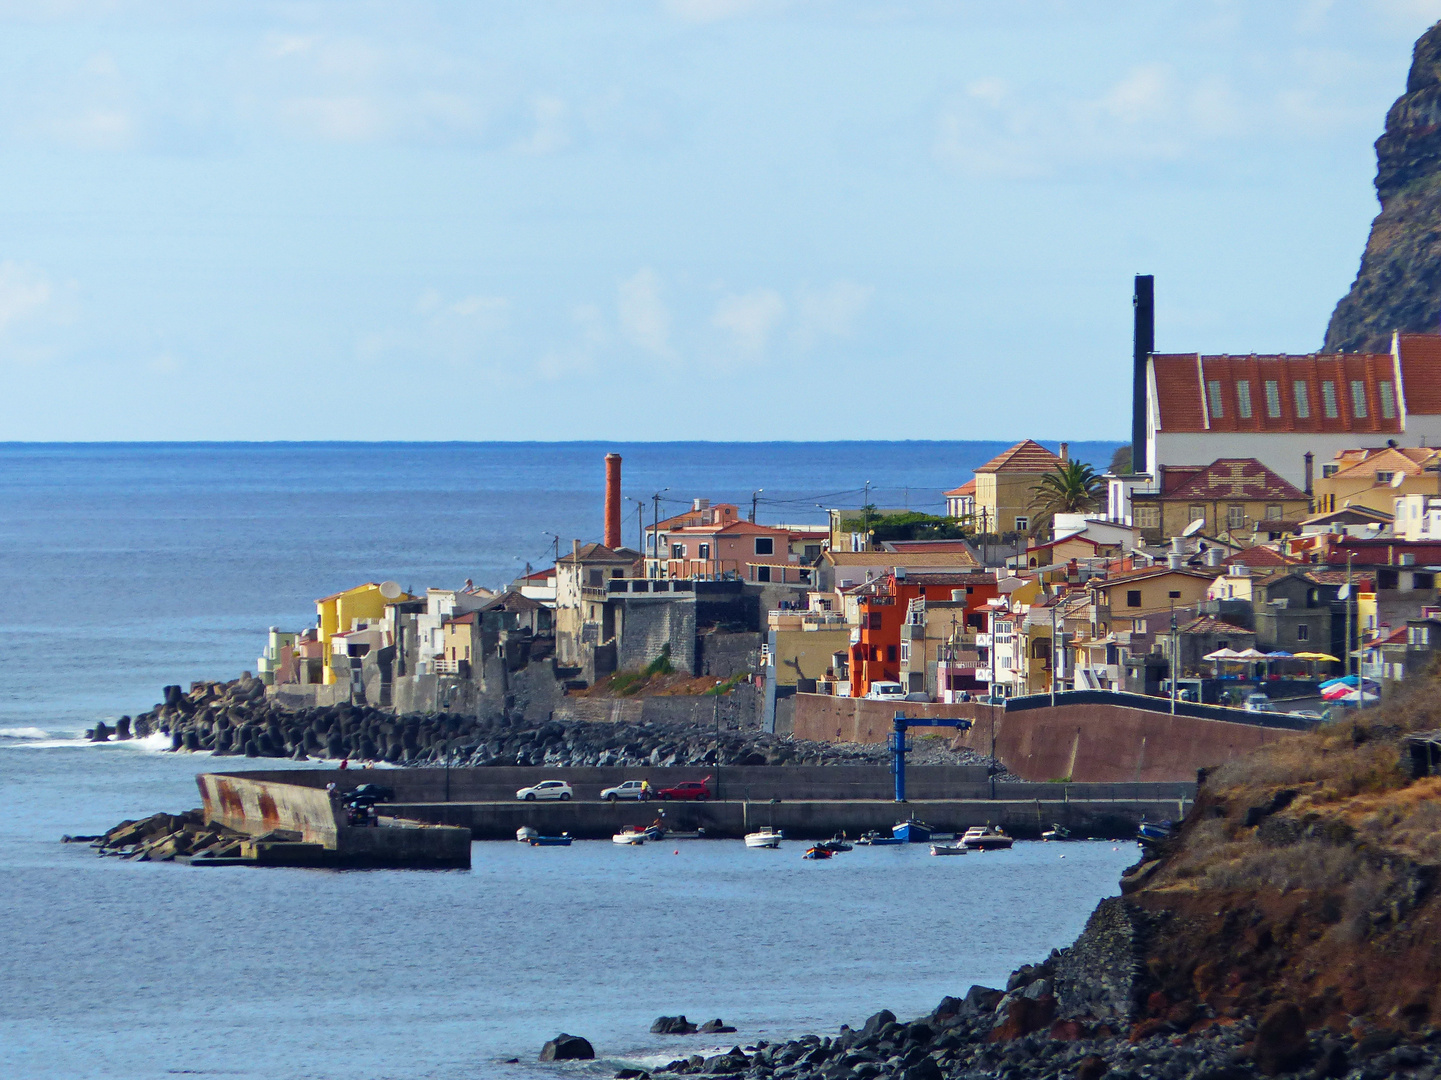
(1268, 544)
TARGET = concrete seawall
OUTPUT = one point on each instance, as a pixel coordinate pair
(1090, 742)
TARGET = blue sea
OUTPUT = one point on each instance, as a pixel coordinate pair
(126, 567)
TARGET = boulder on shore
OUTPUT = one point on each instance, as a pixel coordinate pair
(567, 1048)
(672, 1025)
(716, 1027)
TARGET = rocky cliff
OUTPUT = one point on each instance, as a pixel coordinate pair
(1399, 284)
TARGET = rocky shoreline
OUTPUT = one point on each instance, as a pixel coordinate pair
(239, 719)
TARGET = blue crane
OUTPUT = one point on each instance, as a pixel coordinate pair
(898, 742)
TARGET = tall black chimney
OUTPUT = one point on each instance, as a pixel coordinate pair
(1144, 302)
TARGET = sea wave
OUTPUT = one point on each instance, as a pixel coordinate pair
(23, 733)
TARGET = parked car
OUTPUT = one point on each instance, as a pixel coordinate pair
(687, 789)
(546, 789)
(631, 789)
(1259, 703)
(886, 691)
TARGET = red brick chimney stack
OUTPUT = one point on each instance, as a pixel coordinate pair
(612, 501)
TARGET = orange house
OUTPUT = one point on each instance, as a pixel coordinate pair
(876, 655)
(725, 548)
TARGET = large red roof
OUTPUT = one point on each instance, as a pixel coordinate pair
(1025, 456)
(1229, 479)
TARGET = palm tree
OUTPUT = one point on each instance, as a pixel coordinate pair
(1072, 487)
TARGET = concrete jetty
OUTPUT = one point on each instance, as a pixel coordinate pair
(805, 801)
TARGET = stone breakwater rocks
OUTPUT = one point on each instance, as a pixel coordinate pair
(237, 718)
(162, 837)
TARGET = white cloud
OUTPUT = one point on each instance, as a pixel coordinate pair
(30, 304)
(551, 129)
(750, 317)
(343, 118)
(711, 10)
(829, 312)
(24, 293)
(644, 317)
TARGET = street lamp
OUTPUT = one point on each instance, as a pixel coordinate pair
(755, 497)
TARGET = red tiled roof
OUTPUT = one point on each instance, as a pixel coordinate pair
(1410, 460)
(1026, 456)
(1421, 372)
(1235, 479)
(968, 488)
(601, 553)
(1209, 624)
(1260, 556)
(920, 547)
(1259, 393)
(731, 527)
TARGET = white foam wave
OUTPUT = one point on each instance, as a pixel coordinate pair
(23, 733)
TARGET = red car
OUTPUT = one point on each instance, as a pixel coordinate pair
(687, 789)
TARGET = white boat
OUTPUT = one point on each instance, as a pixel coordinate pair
(949, 849)
(764, 838)
(629, 835)
(525, 834)
(985, 838)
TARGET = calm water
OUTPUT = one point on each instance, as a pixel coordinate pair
(123, 568)
(120, 970)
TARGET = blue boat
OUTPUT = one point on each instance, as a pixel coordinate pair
(912, 832)
(563, 840)
(875, 839)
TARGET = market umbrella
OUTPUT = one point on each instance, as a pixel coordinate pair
(1355, 696)
(1317, 656)
(1222, 654)
(1280, 654)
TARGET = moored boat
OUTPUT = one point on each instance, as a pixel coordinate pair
(1056, 832)
(834, 845)
(949, 849)
(764, 837)
(817, 852)
(985, 838)
(912, 831)
(525, 834)
(1153, 831)
(629, 835)
(563, 840)
(875, 839)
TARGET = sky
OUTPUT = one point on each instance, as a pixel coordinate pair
(670, 219)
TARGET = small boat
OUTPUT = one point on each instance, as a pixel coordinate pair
(1056, 832)
(654, 832)
(834, 845)
(986, 838)
(629, 835)
(525, 834)
(1151, 832)
(875, 839)
(912, 831)
(563, 840)
(764, 837)
(949, 849)
(817, 852)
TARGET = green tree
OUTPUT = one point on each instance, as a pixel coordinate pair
(1072, 487)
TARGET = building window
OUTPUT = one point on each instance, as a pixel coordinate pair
(1358, 399)
(1328, 399)
(1235, 516)
(596, 580)
(1133, 598)
(813, 551)
(1388, 400)
(1213, 397)
(890, 654)
(1419, 635)
(704, 550)
(677, 551)
(1303, 632)
(1273, 399)
(1273, 511)
(765, 545)
(1022, 524)
(1243, 398)
(1195, 512)
(1148, 517)
(905, 652)
(763, 573)
(1303, 400)
(1328, 471)
(617, 573)
(1138, 626)
(1384, 477)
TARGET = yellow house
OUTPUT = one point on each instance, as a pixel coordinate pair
(1005, 487)
(339, 612)
(1117, 600)
(1234, 498)
(1374, 478)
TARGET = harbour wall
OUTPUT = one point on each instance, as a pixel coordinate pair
(1086, 741)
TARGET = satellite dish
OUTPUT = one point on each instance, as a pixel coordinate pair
(1195, 527)
(1398, 479)
(1343, 592)
(390, 590)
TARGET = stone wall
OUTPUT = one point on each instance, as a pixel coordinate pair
(723, 655)
(1085, 742)
(736, 709)
(649, 626)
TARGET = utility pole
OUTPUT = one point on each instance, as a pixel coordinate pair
(1350, 594)
(1056, 602)
(866, 516)
(555, 540)
(655, 531)
(1174, 647)
(755, 497)
(991, 770)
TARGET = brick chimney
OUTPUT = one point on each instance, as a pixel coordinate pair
(1065, 452)
(612, 501)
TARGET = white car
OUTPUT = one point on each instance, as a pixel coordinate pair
(631, 789)
(886, 691)
(546, 789)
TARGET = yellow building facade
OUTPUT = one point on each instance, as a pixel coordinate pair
(338, 613)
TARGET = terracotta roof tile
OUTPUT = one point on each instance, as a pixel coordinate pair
(1025, 456)
(1209, 624)
(968, 488)
(1421, 372)
(1237, 478)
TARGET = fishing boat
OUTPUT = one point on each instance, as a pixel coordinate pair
(563, 840)
(525, 834)
(1056, 832)
(875, 839)
(949, 849)
(817, 852)
(764, 837)
(985, 838)
(834, 845)
(631, 835)
(1151, 832)
(912, 831)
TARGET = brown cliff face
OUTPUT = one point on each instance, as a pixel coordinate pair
(1308, 872)
(1399, 283)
